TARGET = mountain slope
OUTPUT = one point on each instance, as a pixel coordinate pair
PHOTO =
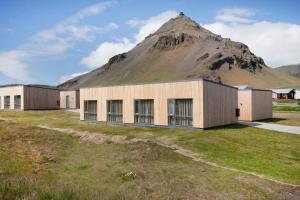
(181, 49)
(292, 70)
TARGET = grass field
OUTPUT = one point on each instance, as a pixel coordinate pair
(38, 163)
(289, 101)
(285, 118)
(286, 108)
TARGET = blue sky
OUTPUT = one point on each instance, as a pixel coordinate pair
(51, 41)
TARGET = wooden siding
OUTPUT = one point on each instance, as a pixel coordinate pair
(261, 104)
(11, 91)
(73, 99)
(161, 92)
(36, 98)
(255, 104)
(220, 103)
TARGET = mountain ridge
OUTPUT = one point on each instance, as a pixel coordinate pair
(181, 49)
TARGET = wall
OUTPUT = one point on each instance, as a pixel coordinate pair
(261, 104)
(11, 91)
(220, 101)
(255, 104)
(220, 104)
(160, 92)
(245, 105)
(36, 98)
(74, 99)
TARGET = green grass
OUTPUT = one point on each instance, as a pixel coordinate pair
(285, 101)
(275, 155)
(286, 108)
(50, 165)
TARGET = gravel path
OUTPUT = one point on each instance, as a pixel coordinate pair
(274, 127)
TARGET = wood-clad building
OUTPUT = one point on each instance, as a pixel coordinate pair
(195, 103)
(69, 99)
(254, 104)
(28, 97)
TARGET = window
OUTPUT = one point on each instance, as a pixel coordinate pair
(144, 111)
(17, 100)
(7, 102)
(67, 101)
(180, 112)
(115, 111)
(90, 110)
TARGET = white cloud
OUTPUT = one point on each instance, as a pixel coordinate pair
(236, 15)
(277, 43)
(68, 77)
(106, 50)
(11, 65)
(54, 41)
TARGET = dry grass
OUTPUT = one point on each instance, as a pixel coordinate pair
(37, 163)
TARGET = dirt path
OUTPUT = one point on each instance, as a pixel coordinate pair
(100, 138)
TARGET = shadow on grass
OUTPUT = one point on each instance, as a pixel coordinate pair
(273, 120)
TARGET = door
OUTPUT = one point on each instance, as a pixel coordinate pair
(67, 101)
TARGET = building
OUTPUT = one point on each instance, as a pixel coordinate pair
(69, 99)
(297, 94)
(195, 103)
(28, 97)
(254, 104)
(286, 93)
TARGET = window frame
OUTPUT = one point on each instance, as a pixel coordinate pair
(92, 113)
(5, 105)
(147, 117)
(17, 106)
(176, 117)
(114, 117)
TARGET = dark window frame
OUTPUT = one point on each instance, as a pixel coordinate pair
(6, 105)
(17, 106)
(177, 117)
(90, 110)
(114, 111)
(144, 118)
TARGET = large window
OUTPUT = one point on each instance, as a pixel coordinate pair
(115, 111)
(180, 112)
(67, 101)
(144, 111)
(17, 101)
(90, 110)
(7, 102)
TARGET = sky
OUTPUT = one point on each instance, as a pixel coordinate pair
(49, 42)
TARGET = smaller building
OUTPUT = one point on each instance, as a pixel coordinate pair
(297, 94)
(70, 99)
(28, 97)
(284, 93)
(254, 104)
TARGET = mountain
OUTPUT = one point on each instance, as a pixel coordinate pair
(292, 70)
(181, 49)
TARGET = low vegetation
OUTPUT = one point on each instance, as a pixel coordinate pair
(286, 108)
(37, 163)
(289, 101)
(285, 118)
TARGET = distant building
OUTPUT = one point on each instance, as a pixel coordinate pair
(285, 93)
(69, 99)
(28, 97)
(195, 103)
(254, 104)
(297, 94)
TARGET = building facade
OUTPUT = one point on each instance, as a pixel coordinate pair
(254, 104)
(197, 104)
(28, 97)
(69, 99)
(286, 93)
